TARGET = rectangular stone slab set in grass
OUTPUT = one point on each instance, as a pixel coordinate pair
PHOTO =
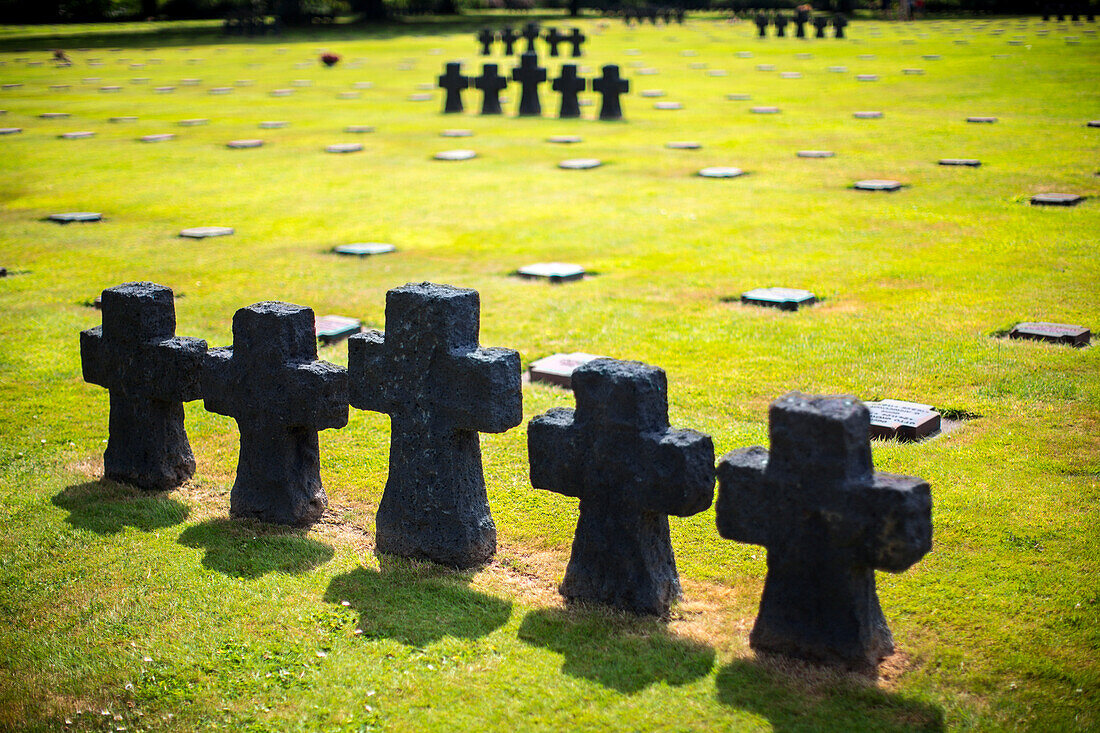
(827, 519)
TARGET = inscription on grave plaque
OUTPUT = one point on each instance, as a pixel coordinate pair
(1058, 333)
(902, 420)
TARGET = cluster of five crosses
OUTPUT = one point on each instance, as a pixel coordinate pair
(827, 518)
(801, 18)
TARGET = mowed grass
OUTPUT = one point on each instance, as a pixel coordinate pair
(154, 611)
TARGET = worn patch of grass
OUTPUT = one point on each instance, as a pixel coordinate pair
(158, 610)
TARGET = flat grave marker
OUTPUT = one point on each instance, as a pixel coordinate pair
(340, 148)
(206, 232)
(564, 139)
(651, 93)
(982, 120)
(331, 329)
(554, 272)
(244, 144)
(787, 299)
(364, 249)
(194, 122)
(557, 369)
(1056, 333)
(683, 145)
(455, 155)
(877, 184)
(273, 124)
(668, 105)
(76, 216)
(815, 154)
(580, 164)
(122, 119)
(157, 138)
(54, 116)
(1056, 199)
(764, 110)
(359, 129)
(78, 135)
(901, 420)
(965, 162)
(457, 133)
(720, 171)
(867, 115)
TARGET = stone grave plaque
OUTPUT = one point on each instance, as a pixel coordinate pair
(58, 87)
(455, 155)
(558, 369)
(363, 85)
(164, 90)
(908, 421)
(344, 148)
(110, 88)
(744, 54)
(195, 122)
(564, 139)
(456, 133)
(697, 66)
(244, 82)
(866, 57)
(580, 164)
(10, 130)
(931, 56)
(77, 216)
(157, 138)
(79, 135)
(349, 95)
(866, 77)
(982, 120)
(867, 115)
(190, 82)
(273, 124)
(790, 75)
(420, 97)
(425, 87)
(243, 144)
(54, 115)
(738, 97)
(206, 232)
(719, 171)
(877, 184)
(364, 249)
(281, 92)
(653, 93)
(221, 90)
(967, 162)
(648, 71)
(140, 80)
(717, 72)
(668, 105)
(838, 69)
(1093, 123)
(359, 129)
(11, 86)
(764, 110)
(301, 83)
(1057, 333)
(124, 118)
(815, 154)
(555, 272)
(1056, 199)
(787, 299)
(683, 145)
(765, 67)
(331, 329)
(912, 72)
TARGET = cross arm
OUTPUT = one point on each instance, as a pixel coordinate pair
(218, 382)
(553, 453)
(368, 372)
(166, 369)
(900, 509)
(317, 395)
(485, 393)
(92, 357)
(744, 510)
(679, 469)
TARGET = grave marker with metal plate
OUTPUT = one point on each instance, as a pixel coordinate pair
(206, 232)
(364, 249)
(1056, 199)
(877, 184)
(455, 155)
(77, 216)
(1057, 333)
(555, 272)
(558, 369)
(331, 329)
(719, 171)
(902, 420)
(787, 299)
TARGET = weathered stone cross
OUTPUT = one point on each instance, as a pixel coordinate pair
(486, 38)
(617, 454)
(491, 84)
(509, 37)
(529, 74)
(271, 382)
(820, 24)
(569, 85)
(453, 81)
(780, 24)
(440, 390)
(531, 33)
(828, 520)
(576, 38)
(150, 373)
(610, 85)
(553, 38)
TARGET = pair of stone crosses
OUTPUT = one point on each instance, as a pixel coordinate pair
(827, 518)
(530, 75)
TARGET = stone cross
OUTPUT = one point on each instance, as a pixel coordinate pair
(761, 21)
(576, 38)
(610, 85)
(529, 74)
(820, 24)
(839, 21)
(440, 390)
(531, 32)
(281, 395)
(486, 38)
(508, 37)
(630, 470)
(569, 85)
(780, 24)
(828, 521)
(801, 18)
(150, 373)
(553, 38)
(491, 84)
(454, 82)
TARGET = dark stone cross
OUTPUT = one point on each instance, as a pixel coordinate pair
(630, 470)
(281, 395)
(576, 38)
(531, 33)
(508, 37)
(553, 38)
(529, 74)
(611, 86)
(486, 38)
(780, 23)
(150, 373)
(454, 82)
(440, 390)
(801, 18)
(569, 85)
(839, 22)
(491, 84)
(820, 24)
(761, 21)
(828, 521)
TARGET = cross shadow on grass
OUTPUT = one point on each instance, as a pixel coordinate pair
(417, 603)
(796, 696)
(621, 652)
(250, 549)
(105, 507)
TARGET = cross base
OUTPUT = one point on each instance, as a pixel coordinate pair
(147, 444)
(279, 477)
(622, 558)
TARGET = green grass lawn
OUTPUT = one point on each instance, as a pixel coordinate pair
(121, 609)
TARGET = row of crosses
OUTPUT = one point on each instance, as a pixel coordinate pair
(1076, 9)
(653, 14)
(530, 75)
(801, 18)
(508, 37)
(826, 517)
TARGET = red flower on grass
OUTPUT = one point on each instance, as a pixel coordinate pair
(329, 59)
